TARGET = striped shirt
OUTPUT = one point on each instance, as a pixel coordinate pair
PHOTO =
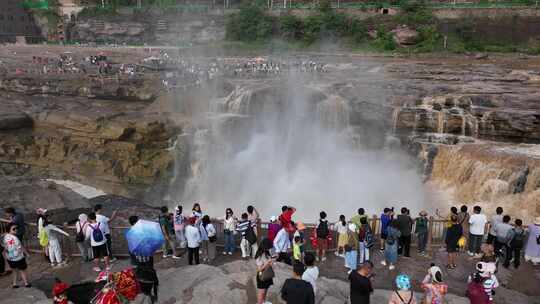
(242, 226)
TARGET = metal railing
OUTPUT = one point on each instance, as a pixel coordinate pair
(436, 231)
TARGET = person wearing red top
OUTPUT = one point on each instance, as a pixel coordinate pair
(286, 218)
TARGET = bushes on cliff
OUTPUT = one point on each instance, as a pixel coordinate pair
(249, 24)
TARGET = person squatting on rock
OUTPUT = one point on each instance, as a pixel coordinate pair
(295, 290)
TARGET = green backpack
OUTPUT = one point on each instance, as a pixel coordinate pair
(43, 238)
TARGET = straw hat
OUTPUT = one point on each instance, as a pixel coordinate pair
(423, 213)
(537, 221)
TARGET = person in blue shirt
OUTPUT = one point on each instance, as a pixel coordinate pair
(386, 218)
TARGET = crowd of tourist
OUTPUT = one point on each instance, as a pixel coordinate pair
(286, 241)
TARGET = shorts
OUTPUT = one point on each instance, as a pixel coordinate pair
(19, 265)
(451, 248)
(100, 251)
(322, 243)
(264, 284)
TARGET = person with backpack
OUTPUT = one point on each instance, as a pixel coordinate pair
(391, 245)
(209, 239)
(167, 228)
(404, 293)
(356, 218)
(516, 240)
(365, 240)
(386, 218)
(83, 243)
(55, 249)
(322, 232)
(248, 244)
(98, 242)
(104, 224)
(463, 219)
(421, 230)
(532, 251)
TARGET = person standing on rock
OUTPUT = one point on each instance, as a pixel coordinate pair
(285, 218)
(386, 218)
(502, 232)
(229, 231)
(356, 219)
(495, 220)
(351, 248)
(532, 251)
(179, 223)
(477, 228)
(197, 213)
(98, 242)
(405, 227)
(193, 238)
(295, 290)
(167, 228)
(210, 239)
(282, 244)
(421, 229)
(263, 259)
(453, 234)
(323, 232)
(361, 288)
(391, 246)
(104, 223)
(16, 254)
(254, 218)
(248, 244)
(81, 238)
(516, 240)
(55, 249)
(463, 220)
(342, 230)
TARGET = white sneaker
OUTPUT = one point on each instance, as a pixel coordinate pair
(383, 263)
(470, 253)
(323, 258)
(165, 256)
(224, 252)
(336, 253)
(230, 253)
(176, 257)
(391, 267)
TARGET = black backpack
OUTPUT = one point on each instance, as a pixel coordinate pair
(322, 230)
(518, 240)
(250, 235)
(79, 238)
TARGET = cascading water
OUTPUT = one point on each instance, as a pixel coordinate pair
(293, 148)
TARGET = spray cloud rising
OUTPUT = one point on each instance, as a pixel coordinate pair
(289, 144)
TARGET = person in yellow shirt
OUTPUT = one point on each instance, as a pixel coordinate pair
(297, 249)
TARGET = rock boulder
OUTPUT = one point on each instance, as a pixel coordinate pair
(404, 35)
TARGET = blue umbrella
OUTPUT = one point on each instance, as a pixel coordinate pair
(144, 238)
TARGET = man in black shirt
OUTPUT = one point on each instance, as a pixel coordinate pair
(361, 288)
(405, 227)
(295, 290)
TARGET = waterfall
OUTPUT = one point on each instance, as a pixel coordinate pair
(395, 119)
(333, 113)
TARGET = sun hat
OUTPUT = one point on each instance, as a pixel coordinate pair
(436, 274)
(59, 288)
(423, 213)
(403, 282)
